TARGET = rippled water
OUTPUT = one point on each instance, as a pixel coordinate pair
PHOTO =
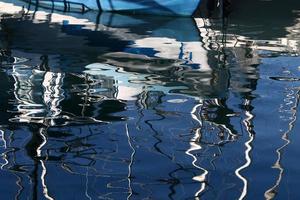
(112, 106)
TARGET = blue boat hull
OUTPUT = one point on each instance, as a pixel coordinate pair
(158, 7)
(163, 7)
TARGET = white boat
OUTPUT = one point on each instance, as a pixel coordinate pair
(158, 7)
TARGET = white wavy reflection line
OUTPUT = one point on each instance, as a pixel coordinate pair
(247, 122)
(53, 93)
(194, 145)
(20, 187)
(87, 184)
(270, 193)
(4, 156)
(130, 164)
(44, 169)
(43, 178)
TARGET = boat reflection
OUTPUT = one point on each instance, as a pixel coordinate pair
(32, 106)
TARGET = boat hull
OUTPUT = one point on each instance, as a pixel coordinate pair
(160, 7)
(157, 7)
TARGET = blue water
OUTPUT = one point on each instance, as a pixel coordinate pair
(110, 106)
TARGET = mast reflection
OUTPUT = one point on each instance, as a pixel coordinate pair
(194, 146)
(289, 108)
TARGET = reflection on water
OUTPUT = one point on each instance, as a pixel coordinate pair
(110, 106)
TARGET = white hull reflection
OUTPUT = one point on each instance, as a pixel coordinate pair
(38, 94)
(127, 86)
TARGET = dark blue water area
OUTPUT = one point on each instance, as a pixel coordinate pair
(114, 106)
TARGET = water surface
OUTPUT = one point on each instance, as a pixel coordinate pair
(112, 106)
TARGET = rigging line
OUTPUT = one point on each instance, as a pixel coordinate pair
(44, 169)
(270, 193)
(142, 103)
(21, 188)
(87, 183)
(4, 154)
(194, 145)
(99, 5)
(247, 122)
(43, 178)
(129, 176)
